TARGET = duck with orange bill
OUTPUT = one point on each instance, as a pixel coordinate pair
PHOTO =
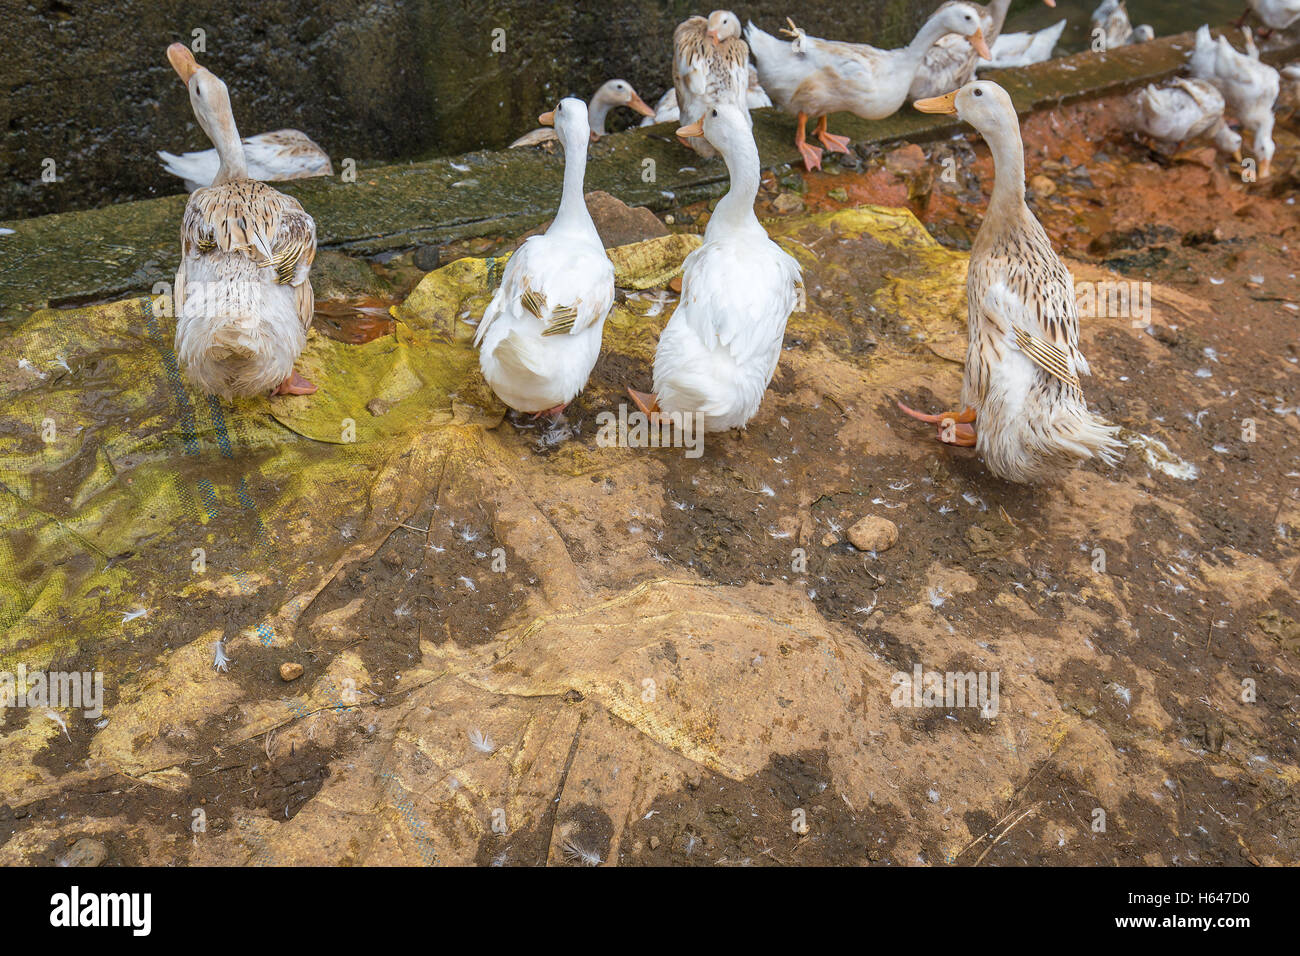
(540, 335)
(722, 344)
(611, 95)
(710, 66)
(950, 63)
(811, 77)
(242, 297)
(1022, 397)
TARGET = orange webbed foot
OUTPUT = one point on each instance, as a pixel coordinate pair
(833, 143)
(295, 384)
(955, 428)
(812, 155)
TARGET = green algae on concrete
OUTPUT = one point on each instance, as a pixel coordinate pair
(129, 248)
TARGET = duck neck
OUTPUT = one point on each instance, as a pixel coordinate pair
(573, 215)
(1008, 200)
(596, 114)
(735, 210)
(997, 11)
(230, 149)
(927, 37)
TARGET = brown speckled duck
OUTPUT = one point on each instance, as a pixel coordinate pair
(1023, 363)
(243, 298)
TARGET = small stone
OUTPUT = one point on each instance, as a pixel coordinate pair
(874, 533)
(427, 258)
(392, 560)
(839, 194)
(290, 670)
(1042, 186)
(654, 843)
(906, 160)
(377, 407)
(1163, 333)
(620, 224)
(787, 203)
(830, 538)
(85, 853)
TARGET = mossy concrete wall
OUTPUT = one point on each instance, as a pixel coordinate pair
(87, 85)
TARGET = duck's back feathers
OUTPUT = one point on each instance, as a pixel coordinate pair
(721, 347)
(243, 295)
(540, 336)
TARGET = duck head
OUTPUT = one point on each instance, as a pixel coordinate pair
(211, 102)
(570, 121)
(724, 126)
(723, 25)
(964, 19)
(620, 93)
(982, 103)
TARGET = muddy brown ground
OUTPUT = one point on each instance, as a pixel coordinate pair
(1197, 598)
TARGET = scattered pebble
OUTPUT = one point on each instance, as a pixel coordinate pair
(1042, 186)
(873, 534)
(85, 852)
(787, 203)
(290, 670)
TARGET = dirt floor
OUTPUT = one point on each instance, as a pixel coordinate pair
(685, 661)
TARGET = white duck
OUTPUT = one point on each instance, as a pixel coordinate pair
(1022, 49)
(243, 298)
(272, 157)
(1182, 110)
(813, 77)
(1111, 18)
(667, 111)
(720, 349)
(1249, 88)
(1276, 14)
(950, 63)
(1023, 363)
(540, 335)
(710, 66)
(611, 95)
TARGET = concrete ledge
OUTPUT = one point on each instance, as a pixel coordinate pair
(124, 249)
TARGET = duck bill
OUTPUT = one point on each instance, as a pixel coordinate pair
(713, 35)
(640, 106)
(182, 61)
(695, 129)
(938, 104)
(1050, 3)
(982, 48)
(547, 119)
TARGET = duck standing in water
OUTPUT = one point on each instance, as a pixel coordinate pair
(1023, 362)
(243, 297)
(540, 335)
(720, 349)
